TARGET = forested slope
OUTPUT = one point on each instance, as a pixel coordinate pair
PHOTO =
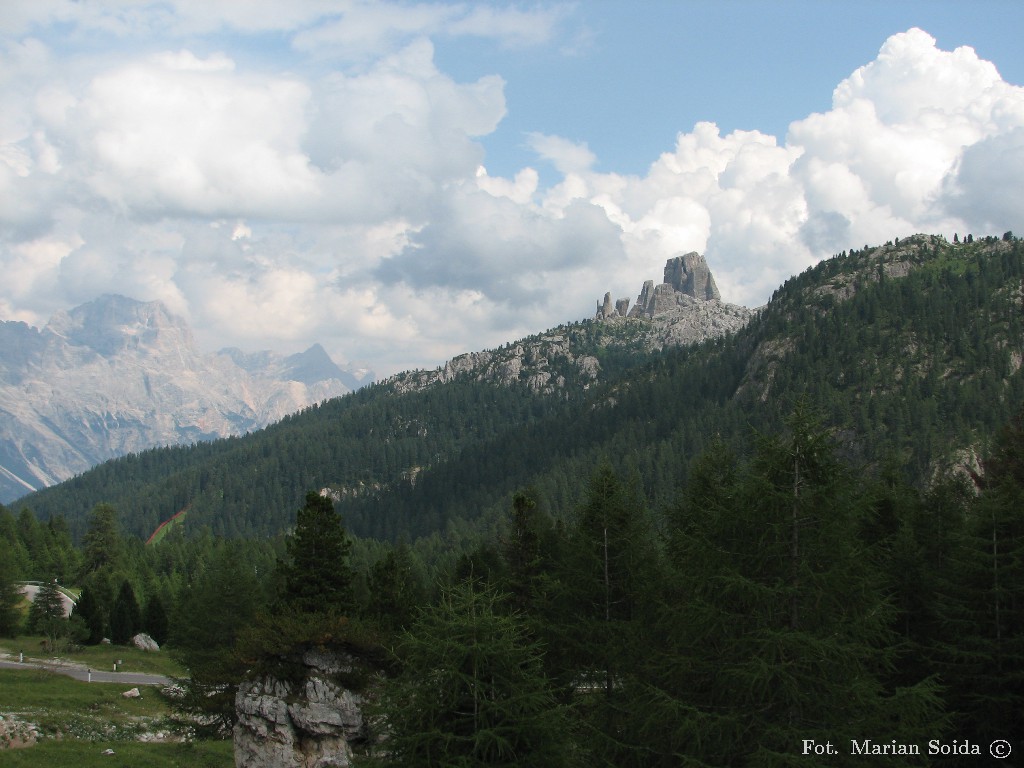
(912, 350)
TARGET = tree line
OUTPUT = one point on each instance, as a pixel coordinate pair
(790, 593)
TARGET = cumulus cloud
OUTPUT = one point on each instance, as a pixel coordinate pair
(349, 202)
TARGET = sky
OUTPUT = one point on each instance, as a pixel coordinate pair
(406, 181)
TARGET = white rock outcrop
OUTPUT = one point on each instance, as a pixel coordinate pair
(310, 723)
(144, 642)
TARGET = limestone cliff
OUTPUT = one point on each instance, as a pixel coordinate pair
(685, 309)
(311, 722)
(688, 281)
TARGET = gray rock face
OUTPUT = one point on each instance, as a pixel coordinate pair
(686, 308)
(689, 274)
(144, 642)
(306, 724)
(116, 376)
(688, 281)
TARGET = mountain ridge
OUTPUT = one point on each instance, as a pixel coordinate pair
(116, 375)
(907, 348)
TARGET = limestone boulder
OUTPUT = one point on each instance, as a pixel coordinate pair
(310, 722)
(144, 642)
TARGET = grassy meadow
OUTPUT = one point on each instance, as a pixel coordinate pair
(76, 721)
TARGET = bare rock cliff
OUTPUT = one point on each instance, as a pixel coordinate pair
(308, 723)
(686, 308)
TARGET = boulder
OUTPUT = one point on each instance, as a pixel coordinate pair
(132, 693)
(144, 642)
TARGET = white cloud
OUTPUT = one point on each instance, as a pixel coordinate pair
(350, 204)
(567, 156)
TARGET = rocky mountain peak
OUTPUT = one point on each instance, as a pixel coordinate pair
(684, 309)
(112, 323)
(688, 280)
(116, 376)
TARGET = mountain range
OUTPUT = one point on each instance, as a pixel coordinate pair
(910, 352)
(116, 376)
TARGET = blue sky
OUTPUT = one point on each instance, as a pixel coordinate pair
(639, 73)
(403, 182)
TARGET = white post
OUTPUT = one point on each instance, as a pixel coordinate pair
(90, 675)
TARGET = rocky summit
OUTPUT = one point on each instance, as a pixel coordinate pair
(116, 376)
(685, 308)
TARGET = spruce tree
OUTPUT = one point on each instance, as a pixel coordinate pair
(46, 616)
(395, 589)
(598, 610)
(317, 577)
(777, 628)
(102, 545)
(154, 620)
(471, 691)
(125, 616)
(987, 685)
(207, 620)
(89, 610)
(10, 594)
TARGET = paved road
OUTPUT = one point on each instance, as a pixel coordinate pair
(81, 673)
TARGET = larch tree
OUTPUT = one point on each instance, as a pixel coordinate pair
(778, 628)
(471, 690)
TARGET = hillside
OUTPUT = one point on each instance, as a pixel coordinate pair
(115, 376)
(912, 349)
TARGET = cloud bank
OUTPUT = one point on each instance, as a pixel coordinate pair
(337, 191)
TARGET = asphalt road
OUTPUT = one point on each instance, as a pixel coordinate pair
(82, 673)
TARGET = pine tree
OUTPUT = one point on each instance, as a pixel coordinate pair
(395, 589)
(987, 685)
(598, 610)
(522, 550)
(471, 691)
(89, 610)
(125, 616)
(207, 619)
(317, 577)
(10, 593)
(46, 616)
(777, 629)
(102, 545)
(154, 620)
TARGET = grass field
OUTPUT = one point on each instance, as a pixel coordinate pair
(77, 721)
(89, 754)
(98, 656)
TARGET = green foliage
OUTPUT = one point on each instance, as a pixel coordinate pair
(126, 616)
(46, 616)
(154, 620)
(317, 578)
(395, 589)
(208, 617)
(10, 593)
(472, 691)
(89, 610)
(102, 542)
(989, 687)
(776, 627)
